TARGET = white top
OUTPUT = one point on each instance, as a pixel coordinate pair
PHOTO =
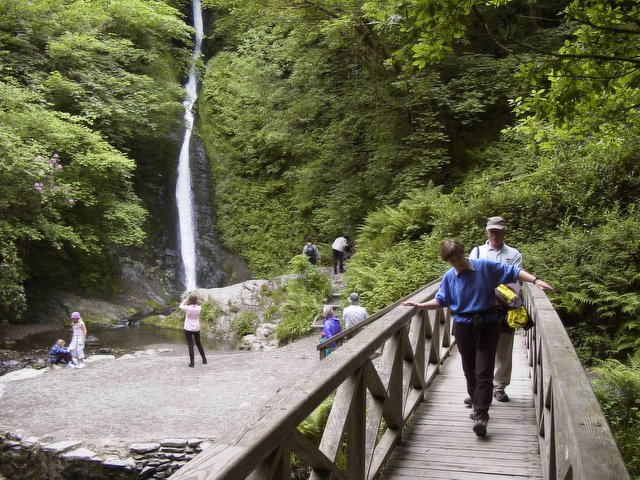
(354, 314)
(507, 255)
(339, 244)
(79, 329)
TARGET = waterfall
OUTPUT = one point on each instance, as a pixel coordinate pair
(184, 194)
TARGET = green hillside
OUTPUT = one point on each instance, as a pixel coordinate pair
(398, 124)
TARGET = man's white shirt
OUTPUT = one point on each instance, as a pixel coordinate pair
(354, 314)
(507, 255)
(339, 244)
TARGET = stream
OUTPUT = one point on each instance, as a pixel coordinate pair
(33, 349)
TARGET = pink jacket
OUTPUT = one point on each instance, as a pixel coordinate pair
(192, 317)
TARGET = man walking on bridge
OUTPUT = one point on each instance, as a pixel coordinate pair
(468, 289)
(495, 249)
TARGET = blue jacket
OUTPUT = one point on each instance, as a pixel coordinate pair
(330, 327)
(56, 353)
(472, 290)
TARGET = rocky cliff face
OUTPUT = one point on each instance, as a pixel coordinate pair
(149, 278)
(216, 267)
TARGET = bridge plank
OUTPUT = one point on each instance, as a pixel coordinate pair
(433, 474)
(456, 450)
(439, 442)
(487, 466)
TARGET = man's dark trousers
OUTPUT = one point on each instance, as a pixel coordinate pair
(477, 346)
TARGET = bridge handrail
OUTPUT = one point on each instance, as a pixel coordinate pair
(347, 333)
(573, 434)
(374, 401)
(372, 404)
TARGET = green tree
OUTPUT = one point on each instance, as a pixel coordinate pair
(65, 192)
(584, 70)
(115, 64)
(82, 82)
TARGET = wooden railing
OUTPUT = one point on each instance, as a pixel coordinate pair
(574, 437)
(373, 401)
(350, 332)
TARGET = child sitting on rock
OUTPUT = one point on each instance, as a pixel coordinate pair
(60, 354)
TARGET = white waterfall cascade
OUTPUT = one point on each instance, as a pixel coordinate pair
(184, 194)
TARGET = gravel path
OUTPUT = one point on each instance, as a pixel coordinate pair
(115, 402)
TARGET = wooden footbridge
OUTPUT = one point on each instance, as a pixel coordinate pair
(397, 388)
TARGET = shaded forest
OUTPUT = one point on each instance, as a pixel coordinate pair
(350, 117)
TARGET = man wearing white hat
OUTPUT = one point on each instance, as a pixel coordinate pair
(495, 249)
(354, 313)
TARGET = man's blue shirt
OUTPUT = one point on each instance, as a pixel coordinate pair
(472, 290)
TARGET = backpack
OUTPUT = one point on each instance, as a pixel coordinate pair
(309, 251)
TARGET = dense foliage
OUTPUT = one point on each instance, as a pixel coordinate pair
(306, 126)
(617, 386)
(396, 123)
(381, 120)
(302, 299)
(318, 124)
(81, 84)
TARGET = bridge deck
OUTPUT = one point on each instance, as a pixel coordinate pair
(439, 442)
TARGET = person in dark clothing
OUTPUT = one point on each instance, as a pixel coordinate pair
(468, 289)
(312, 252)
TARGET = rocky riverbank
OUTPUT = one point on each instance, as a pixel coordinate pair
(11, 360)
(114, 404)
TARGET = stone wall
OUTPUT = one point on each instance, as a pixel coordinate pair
(25, 457)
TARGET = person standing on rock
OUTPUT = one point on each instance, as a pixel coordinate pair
(192, 309)
(76, 346)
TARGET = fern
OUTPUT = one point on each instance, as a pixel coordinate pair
(617, 387)
(412, 218)
(303, 298)
(312, 427)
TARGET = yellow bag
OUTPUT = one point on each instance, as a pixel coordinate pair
(517, 317)
(507, 294)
